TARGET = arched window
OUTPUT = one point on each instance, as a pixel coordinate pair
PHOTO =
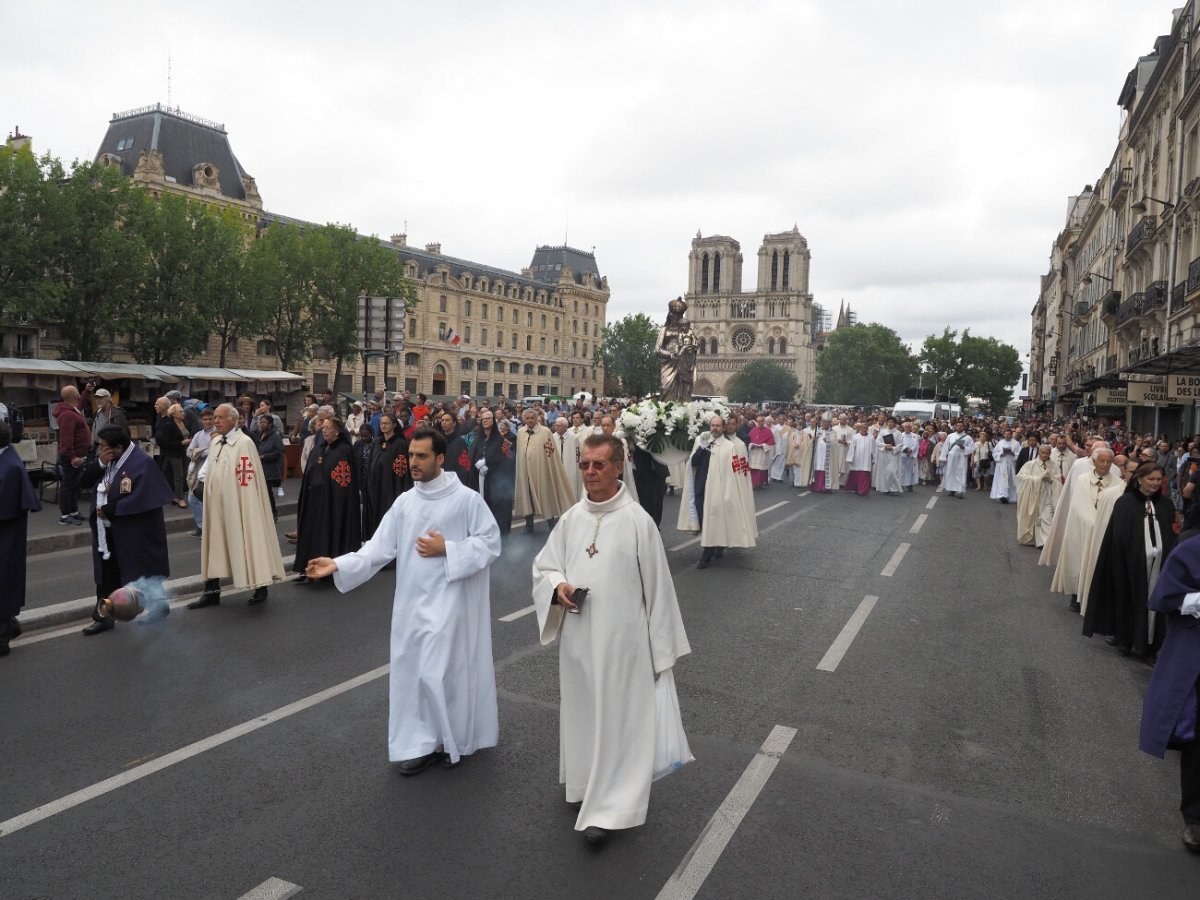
(712, 346)
(786, 259)
(774, 269)
(556, 346)
(704, 274)
(770, 345)
(499, 338)
(574, 348)
(541, 370)
(703, 344)
(529, 319)
(514, 340)
(467, 363)
(529, 343)
(482, 334)
(541, 345)
(543, 320)
(466, 307)
(783, 345)
(514, 368)
(716, 273)
(483, 365)
(575, 326)
(528, 369)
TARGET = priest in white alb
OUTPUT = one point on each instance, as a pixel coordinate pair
(956, 457)
(840, 447)
(618, 643)
(1082, 504)
(888, 449)
(800, 455)
(442, 684)
(1035, 499)
(1004, 477)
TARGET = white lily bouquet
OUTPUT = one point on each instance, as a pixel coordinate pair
(663, 428)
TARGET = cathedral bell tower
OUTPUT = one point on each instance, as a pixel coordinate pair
(714, 265)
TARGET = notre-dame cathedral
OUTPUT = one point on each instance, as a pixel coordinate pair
(775, 321)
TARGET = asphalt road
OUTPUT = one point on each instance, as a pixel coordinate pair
(967, 742)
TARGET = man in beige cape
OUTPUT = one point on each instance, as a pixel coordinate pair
(617, 649)
(566, 446)
(843, 434)
(1083, 502)
(1124, 468)
(238, 540)
(541, 484)
(1053, 545)
(800, 455)
(1035, 499)
(717, 498)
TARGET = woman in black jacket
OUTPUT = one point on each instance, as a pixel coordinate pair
(493, 472)
(387, 473)
(270, 451)
(172, 437)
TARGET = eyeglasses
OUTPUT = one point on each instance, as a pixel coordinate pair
(594, 464)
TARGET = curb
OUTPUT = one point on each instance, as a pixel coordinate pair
(81, 535)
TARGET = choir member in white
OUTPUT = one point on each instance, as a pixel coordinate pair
(888, 447)
(1004, 477)
(839, 468)
(617, 647)
(956, 458)
(824, 467)
(910, 445)
(861, 460)
(800, 455)
(782, 431)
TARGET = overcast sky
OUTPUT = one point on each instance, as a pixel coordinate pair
(925, 148)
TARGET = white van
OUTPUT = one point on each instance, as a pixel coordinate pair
(924, 410)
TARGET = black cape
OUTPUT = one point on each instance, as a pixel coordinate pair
(328, 518)
(387, 478)
(650, 476)
(1117, 601)
(458, 458)
(500, 484)
(137, 535)
(17, 500)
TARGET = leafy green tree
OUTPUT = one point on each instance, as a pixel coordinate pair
(864, 365)
(972, 366)
(280, 273)
(28, 232)
(234, 308)
(762, 380)
(627, 352)
(97, 262)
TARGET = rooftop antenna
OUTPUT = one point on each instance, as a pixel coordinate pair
(168, 76)
(567, 226)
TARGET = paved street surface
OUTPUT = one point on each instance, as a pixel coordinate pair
(904, 709)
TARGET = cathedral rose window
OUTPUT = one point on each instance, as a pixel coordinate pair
(743, 340)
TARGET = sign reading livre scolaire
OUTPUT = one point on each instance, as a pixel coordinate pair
(1146, 394)
(1183, 388)
(1112, 396)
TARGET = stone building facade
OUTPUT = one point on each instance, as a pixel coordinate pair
(773, 322)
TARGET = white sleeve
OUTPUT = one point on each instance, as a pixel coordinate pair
(360, 566)
(479, 549)
(1191, 605)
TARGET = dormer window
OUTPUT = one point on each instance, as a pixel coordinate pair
(124, 144)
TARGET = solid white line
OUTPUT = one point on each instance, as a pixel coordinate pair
(183, 753)
(273, 889)
(696, 540)
(687, 880)
(917, 524)
(512, 617)
(890, 569)
(932, 500)
(833, 656)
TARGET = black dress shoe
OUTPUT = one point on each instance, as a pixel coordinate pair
(415, 766)
(105, 624)
(719, 552)
(1191, 838)
(703, 564)
(1073, 606)
(303, 579)
(14, 628)
(205, 599)
(260, 596)
(577, 805)
(596, 835)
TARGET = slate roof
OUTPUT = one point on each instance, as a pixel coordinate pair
(548, 263)
(183, 139)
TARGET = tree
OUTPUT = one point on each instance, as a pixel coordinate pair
(279, 274)
(972, 366)
(864, 365)
(763, 380)
(27, 232)
(627, 352)
(235, 309)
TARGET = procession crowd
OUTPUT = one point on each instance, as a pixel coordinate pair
(431, 488)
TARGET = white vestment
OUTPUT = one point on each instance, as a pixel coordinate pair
(628, 631)
(779, 460)
(1035, 502)
(862, 453)
(909, 445)
(956, 455)
(1080, 517)
(568, 447)
(823, 444)
(442, 685)
(839, 468)
(1062, 508)
(800, 455)
(1091, 551)
(1004, 477)
(887, 461)
(727, 512)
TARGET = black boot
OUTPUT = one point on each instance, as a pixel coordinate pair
(260, 596)
(1073, 606)
(210, 597)
(705, 558)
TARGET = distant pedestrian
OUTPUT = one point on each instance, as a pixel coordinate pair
(270, 451)
(74, 445)
(17, 501)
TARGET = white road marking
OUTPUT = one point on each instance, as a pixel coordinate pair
(512, 617)
(183, 753)
(687, 880)
(273, 889)
(917, 524)
(932, 500)
(890, 569)
(696, 540)
(73, 604)
(833, 656)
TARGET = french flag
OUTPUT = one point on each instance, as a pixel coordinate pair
(452, 337)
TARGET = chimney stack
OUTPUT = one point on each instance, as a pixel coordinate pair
(400, 240)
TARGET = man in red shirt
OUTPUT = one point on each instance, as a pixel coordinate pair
(74, 444)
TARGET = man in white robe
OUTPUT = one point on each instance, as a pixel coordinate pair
(617, 648)
(839, 468)
(782, 432)
(1050, 550)
(956, 456)
(887, 459)
(910, 444)
(824, 442)
(1123, 468)
(541, 485)
(567, 447)
(717, 500)
(1087, 488)
(800, 455)
(1004, 476)
(238, 536)
(442, 684)
(1061, 460)
(1035, 499)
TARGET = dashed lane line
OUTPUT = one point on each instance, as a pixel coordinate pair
(833, 656)
(932, 500)
(272, 889)
(513, 616)
(890, 569)
(916, 527)
(687, 880)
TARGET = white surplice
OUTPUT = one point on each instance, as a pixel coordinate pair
(887, 461)
(443, 681)
(956, 455)
(1004, 476)
(628, 631)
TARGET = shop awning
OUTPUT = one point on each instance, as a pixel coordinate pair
(1183, 360)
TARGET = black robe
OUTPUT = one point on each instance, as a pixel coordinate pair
(1117, 601)
(137, 533)
(458, 458)
(17, 501)
(1027, 454)
(650, 477)
(699, 462)
(387, 478)
(500, 484)
(328, 518)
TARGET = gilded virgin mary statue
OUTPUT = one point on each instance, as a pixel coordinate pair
(677, 354)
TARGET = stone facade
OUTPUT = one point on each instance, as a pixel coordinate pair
(773, 322)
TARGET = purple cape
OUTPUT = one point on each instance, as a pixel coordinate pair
(17, 500)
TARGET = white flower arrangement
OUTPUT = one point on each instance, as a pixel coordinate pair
(656, 426)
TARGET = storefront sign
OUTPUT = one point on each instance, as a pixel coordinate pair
(1183, 388)
(1144, 394)
(1112, 397)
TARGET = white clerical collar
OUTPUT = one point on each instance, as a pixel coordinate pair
(440, 486)
(616, 501)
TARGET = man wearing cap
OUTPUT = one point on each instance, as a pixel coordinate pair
(355, 420)
(106, 414)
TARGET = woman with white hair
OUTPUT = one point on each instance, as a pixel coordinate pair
(171, 435)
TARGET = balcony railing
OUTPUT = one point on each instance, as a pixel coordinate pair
(1143, 231)
(1193, 280)
(1138, 305)
(1110, 303)
(1121, 181)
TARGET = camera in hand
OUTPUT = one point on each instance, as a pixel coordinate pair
(577, 597)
